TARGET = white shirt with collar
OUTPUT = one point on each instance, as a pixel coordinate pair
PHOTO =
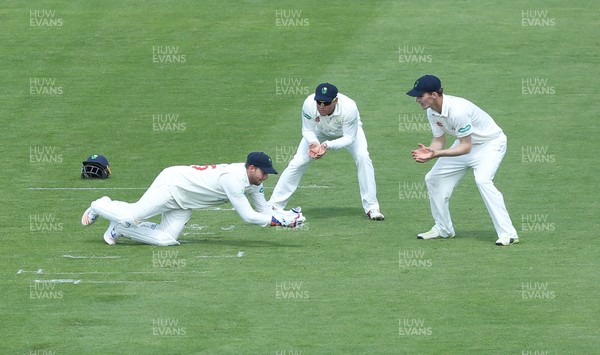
(339, 129)
(460, 118)
(202, 186)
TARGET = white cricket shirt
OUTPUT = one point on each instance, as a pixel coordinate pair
(202, 186)
(460, 118)
(339, 128)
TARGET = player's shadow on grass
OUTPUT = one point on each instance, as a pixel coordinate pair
(246, 243)
(486, 236)
(317, 213)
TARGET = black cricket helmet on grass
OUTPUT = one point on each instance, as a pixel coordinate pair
(95, 167)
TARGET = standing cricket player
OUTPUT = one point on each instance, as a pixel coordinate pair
(179, 190)
(481, 145)
(330, 121)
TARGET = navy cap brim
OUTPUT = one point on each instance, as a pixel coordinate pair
(414, 93)
(268, 170)
(322, 97)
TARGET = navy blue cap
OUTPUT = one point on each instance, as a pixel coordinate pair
(326, 92)
(261, 161)
(426, 83)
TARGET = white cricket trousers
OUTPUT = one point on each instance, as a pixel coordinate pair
(485, 159)
(132, 216)
(290, 178)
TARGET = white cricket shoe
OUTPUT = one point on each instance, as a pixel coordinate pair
(111, 235)
(507, 241)
(433, 233)
(89, 216)
(375, 215)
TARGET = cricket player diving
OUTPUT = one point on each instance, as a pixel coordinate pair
(178, 190)
(480, 146)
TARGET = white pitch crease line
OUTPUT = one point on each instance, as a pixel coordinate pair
(238, 255)
(77, 282)
(22, 271)
(87, 188)
(41, 272)
(141, 188)
(90, 257)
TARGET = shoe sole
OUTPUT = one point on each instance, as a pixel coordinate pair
(438, 237)
(511, 242)
(377, 218)
(109, 239)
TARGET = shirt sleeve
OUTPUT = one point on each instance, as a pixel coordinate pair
(257, 194)
(349, 131)
(234, 188)
(308, 121)
(435, 129)
(462, 122)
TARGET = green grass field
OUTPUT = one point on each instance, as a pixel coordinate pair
(150, 84)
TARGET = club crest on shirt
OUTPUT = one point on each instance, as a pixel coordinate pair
(318, 119)
(439, 124)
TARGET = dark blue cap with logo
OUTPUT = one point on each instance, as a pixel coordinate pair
(326, 92)
(426, 83)
(261, 161)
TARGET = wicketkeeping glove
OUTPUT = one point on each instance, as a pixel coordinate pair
(287, 218)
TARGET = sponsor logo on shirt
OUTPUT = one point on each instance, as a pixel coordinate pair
(306, 115)
(464, 129)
